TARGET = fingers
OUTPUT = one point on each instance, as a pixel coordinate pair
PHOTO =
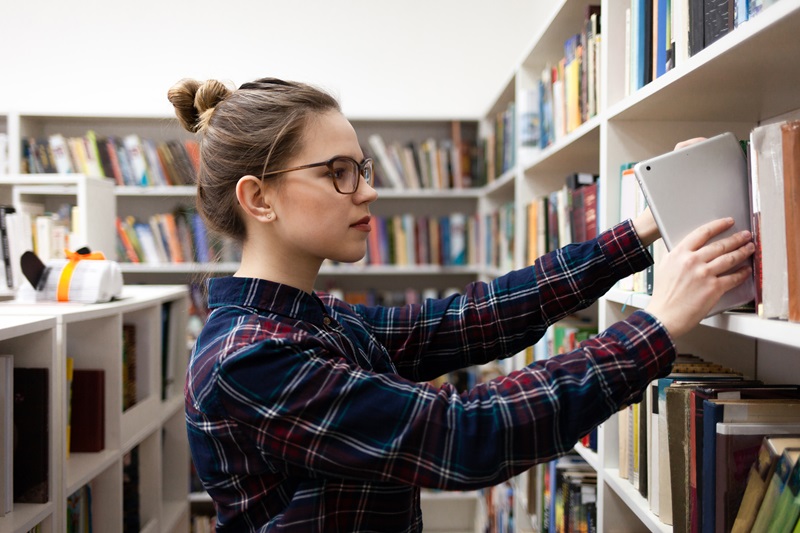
(726, 261)
(701, 235)
(712, 251)
(734, 279)
(687, 142)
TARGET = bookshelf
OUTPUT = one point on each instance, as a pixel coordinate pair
(31, 341)
(44, 335)
(734, 84)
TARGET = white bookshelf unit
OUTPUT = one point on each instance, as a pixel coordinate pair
(734, 84)
(91, 334)
(31, 341)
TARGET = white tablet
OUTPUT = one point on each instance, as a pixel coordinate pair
(696, 184)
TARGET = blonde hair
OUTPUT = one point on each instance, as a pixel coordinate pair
(246, 131)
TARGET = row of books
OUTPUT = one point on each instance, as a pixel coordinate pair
(180, 236)
(660, 34)
(567, 215)
(689, 445)
(431, 164)
(500, 227)
(409, 239)
(498, 147)
(128, 160)
(569, 496)
(567, 93)
(31, 228)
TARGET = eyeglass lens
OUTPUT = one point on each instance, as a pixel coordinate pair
(346, 173)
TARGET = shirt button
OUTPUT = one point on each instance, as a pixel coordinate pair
(326, 321)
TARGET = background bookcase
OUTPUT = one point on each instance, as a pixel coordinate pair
(92, 336)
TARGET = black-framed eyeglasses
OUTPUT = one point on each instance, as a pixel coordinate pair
(345, 172)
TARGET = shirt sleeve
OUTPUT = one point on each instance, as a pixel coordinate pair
(313, 415)
(501, 318)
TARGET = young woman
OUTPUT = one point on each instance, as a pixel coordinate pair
(308, 414)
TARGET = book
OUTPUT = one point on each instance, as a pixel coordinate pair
(790, 132)
(776, 486)
(717, 19)
(88, 411)
(787, 508)
(32, 429)
(758, 478)
(389, 170)
(79, 510)
(131, 517)
(129, 366)
(677, 405)
(6, 434)
(70, 374)
(769, 221)
(737, 448)
(703, 431)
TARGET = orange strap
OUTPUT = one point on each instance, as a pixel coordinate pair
(64, 280)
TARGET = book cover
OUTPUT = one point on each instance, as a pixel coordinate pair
(790, 133)
(769, 221)
(392, 176)
(758, 479)
(70, 374)
(32, 429)
(88, 410)
(129, 366)
(138, 161)
(776, 486)
(787, 508)
(717, 19)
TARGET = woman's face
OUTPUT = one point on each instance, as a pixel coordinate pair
(316, 222)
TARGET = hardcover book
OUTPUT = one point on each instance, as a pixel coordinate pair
(88, 410)
(32, 428)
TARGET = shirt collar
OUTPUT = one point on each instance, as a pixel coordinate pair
(265, 296)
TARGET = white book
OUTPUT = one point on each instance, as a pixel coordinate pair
(6, 434)
(61, 155)
(3, 153)
(137, 159)
(458, 239)
(148, 242)
(766, 195)
(390, 172)
(44, 237)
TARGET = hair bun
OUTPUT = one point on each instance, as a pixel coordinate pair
(194, 102)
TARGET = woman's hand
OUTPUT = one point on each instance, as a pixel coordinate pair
(692, 278)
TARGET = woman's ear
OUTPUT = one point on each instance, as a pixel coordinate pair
(253, 198)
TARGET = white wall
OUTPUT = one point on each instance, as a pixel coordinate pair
(386, 59)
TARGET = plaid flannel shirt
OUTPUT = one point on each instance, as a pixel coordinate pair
(308, 414)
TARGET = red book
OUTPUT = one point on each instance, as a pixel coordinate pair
(88, 411)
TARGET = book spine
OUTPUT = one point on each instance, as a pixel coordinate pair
(790, 133)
